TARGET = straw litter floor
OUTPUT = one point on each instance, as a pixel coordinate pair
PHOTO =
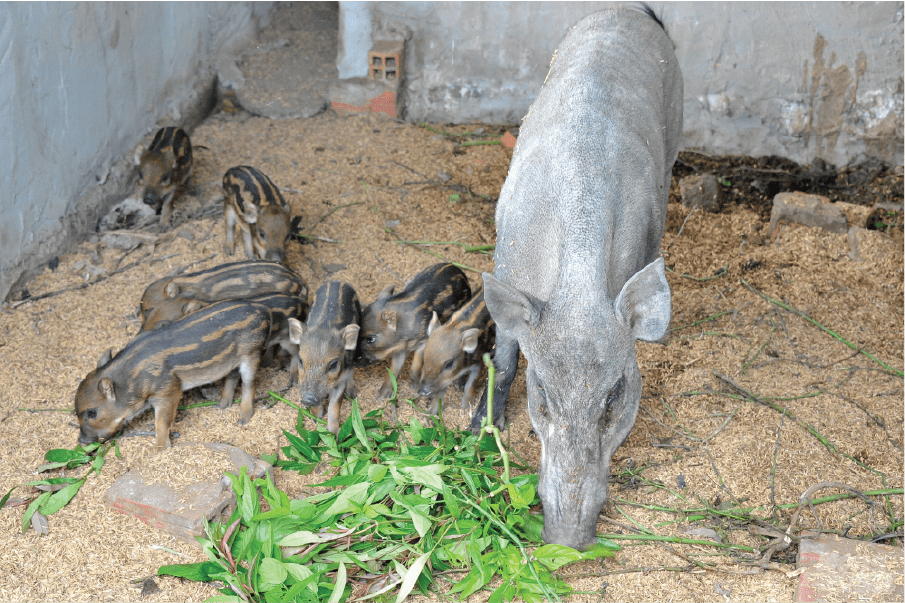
(351, 179)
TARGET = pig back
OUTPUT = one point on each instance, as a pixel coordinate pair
(585, 198)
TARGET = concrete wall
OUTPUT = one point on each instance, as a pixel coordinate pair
(80, 85)
(795, 79)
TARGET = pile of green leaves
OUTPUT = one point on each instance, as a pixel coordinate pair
(410, 506)
(52, 494)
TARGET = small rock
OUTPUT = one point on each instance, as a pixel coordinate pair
(333, 268)
(508, 140)
(126, 214)
(149, 587)
(184, 234)
(807, 210)
(700, 190)
(54, 263)
(868, 245)
(479, 131)
(392, 223)
(121, 240)
(704, 533)
(444, 177)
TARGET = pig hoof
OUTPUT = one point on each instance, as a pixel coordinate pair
(385, 393)
(243, 421)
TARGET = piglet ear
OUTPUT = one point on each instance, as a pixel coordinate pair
(470, 340)
(105, 358)
(192, 306)
(434, 324)
(513, 312)
(388, 317)
(350, 336)
(172, 290)
(645, 302)
(387, 291)
(296, 331)
(106, 388)
(139, 151)
(251, 213)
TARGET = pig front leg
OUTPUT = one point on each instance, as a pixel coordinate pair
(505, 359)
(246, 240)
(396, 362)
(336, 397)
(165, 405)
(468, 395)
(229, 219)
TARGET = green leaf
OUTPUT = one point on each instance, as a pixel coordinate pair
(428, 476)
(303, 574)
(455, 198)
(223, 599)
(554, 556)
(349, 500)
(533, 526)
(60, 498)
(602, 548)
(421, 521)
(340, 585)
(36, 503)
(6, 497)
(198, 572)
(272, 571)
(522, 496)
(359, 427)
(304, 537)
(411, 576)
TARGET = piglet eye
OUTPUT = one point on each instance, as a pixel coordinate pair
(448, 365)
(371, 339)
(262, 235)
(91, 414)
(334, 364)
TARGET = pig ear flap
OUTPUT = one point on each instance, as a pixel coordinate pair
(389, 318)
(105, 358)
(296, 331)
(434, 324)
(645, 302)
(350, 336)
(191, 306)
(388, 291)
(251, 213)
(172, 290)
(105, 387)
(470, 340)
(512, 311)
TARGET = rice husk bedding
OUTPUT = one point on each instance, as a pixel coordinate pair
(363, 184)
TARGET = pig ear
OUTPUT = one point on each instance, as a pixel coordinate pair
(512, 310)
(470, 340)
(387, 291)
(645, 302)
(350, 336)
(251, 213)
(389, 317)
(296, 331)
(434, 324)
(192, 306)
(172, 289)
(105, 358)
(139, 151)
(105, 387)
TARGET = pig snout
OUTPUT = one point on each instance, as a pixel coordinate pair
(572, 499)
(84, 438)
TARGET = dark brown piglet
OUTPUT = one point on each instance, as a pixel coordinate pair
(327, 344)
(453, 351)
(255, 204)
(236, 280)
(222, 340)
(396, 324)
(164, 169)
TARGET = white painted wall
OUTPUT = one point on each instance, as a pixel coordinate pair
(795, 79)
(80, 84)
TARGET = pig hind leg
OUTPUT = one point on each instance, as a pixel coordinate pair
(229, 389)
(248, 368)
(229, 219)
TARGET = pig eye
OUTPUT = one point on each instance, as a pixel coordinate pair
(334, 364)
(262, 235)
(370, 339)
(448, 365)
(91, 414)
(166, 179)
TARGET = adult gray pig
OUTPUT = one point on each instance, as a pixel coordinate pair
(578, 274)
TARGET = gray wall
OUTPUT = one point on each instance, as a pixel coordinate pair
(80, 85)
(795, 79)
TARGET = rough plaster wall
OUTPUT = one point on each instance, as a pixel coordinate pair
(796, 79)
(80, 85)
